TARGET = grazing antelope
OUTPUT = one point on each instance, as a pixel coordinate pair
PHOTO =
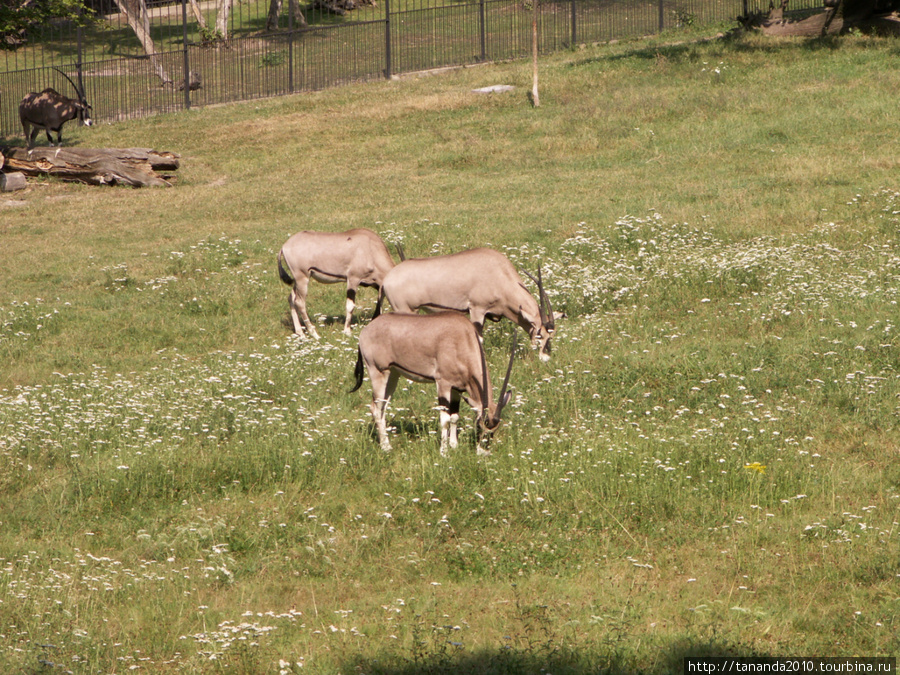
(49, 110)
(443, 348)
(480, 282)
(358, 257)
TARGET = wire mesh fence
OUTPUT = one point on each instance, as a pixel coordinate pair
(215, 51)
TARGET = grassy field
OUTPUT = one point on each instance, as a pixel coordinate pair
(707, 466)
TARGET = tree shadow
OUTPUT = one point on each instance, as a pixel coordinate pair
(733, 39)
(18, 141)
(511, 661)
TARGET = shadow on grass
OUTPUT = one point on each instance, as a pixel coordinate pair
(408, 430)
(509, 661)
(734, 40)
(361, 317)
(9, 143)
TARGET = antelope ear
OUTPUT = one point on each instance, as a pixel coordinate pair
(559, 315)
(505, 400)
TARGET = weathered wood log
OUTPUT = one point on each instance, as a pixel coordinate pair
(813, 26)
(137, 167)
(880, 17)
(10, 182)
(822, 24)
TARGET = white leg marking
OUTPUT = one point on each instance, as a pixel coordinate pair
(292, 303)
(350, 306)
(445, 432)
(454, 422)
(379, 407)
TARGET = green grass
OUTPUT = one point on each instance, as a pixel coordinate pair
(707, 465)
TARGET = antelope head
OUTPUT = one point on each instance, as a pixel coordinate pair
(82, 106)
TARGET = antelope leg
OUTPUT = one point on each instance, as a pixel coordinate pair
(297, 302)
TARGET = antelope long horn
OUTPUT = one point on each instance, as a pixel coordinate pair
(400, 252)
(512, 355)
(544, 304)
(545, 299)
(74, 86)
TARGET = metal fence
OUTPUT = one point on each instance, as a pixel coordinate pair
(270, 53)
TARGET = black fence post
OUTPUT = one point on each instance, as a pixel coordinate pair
(290, 47)
(79, 58)
(187, 63)
(662, 20)
(574, 24)
(387, 39)
(482, 29)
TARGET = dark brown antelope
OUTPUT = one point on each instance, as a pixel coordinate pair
(357, 257)
(481, 282)
(49, 110)
(443, 348)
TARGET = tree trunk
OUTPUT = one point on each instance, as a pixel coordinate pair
(136, 167)
(275, 11)
(195, 8)
(135, 12)
(299, 19)
(223, 11)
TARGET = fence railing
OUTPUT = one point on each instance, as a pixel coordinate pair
(266, 54)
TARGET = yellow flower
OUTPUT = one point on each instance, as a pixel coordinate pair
(756, 466)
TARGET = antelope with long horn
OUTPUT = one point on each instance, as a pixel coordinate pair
(49, 110)
(357, 257)
(443, 348)
(480, 282)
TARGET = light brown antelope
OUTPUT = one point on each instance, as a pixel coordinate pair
(357, 257)
(49, 110)
(443, 348)
(481, 282)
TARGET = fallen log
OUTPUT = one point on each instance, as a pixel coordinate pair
(10, 182)
(136, 167)
(877, 17)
